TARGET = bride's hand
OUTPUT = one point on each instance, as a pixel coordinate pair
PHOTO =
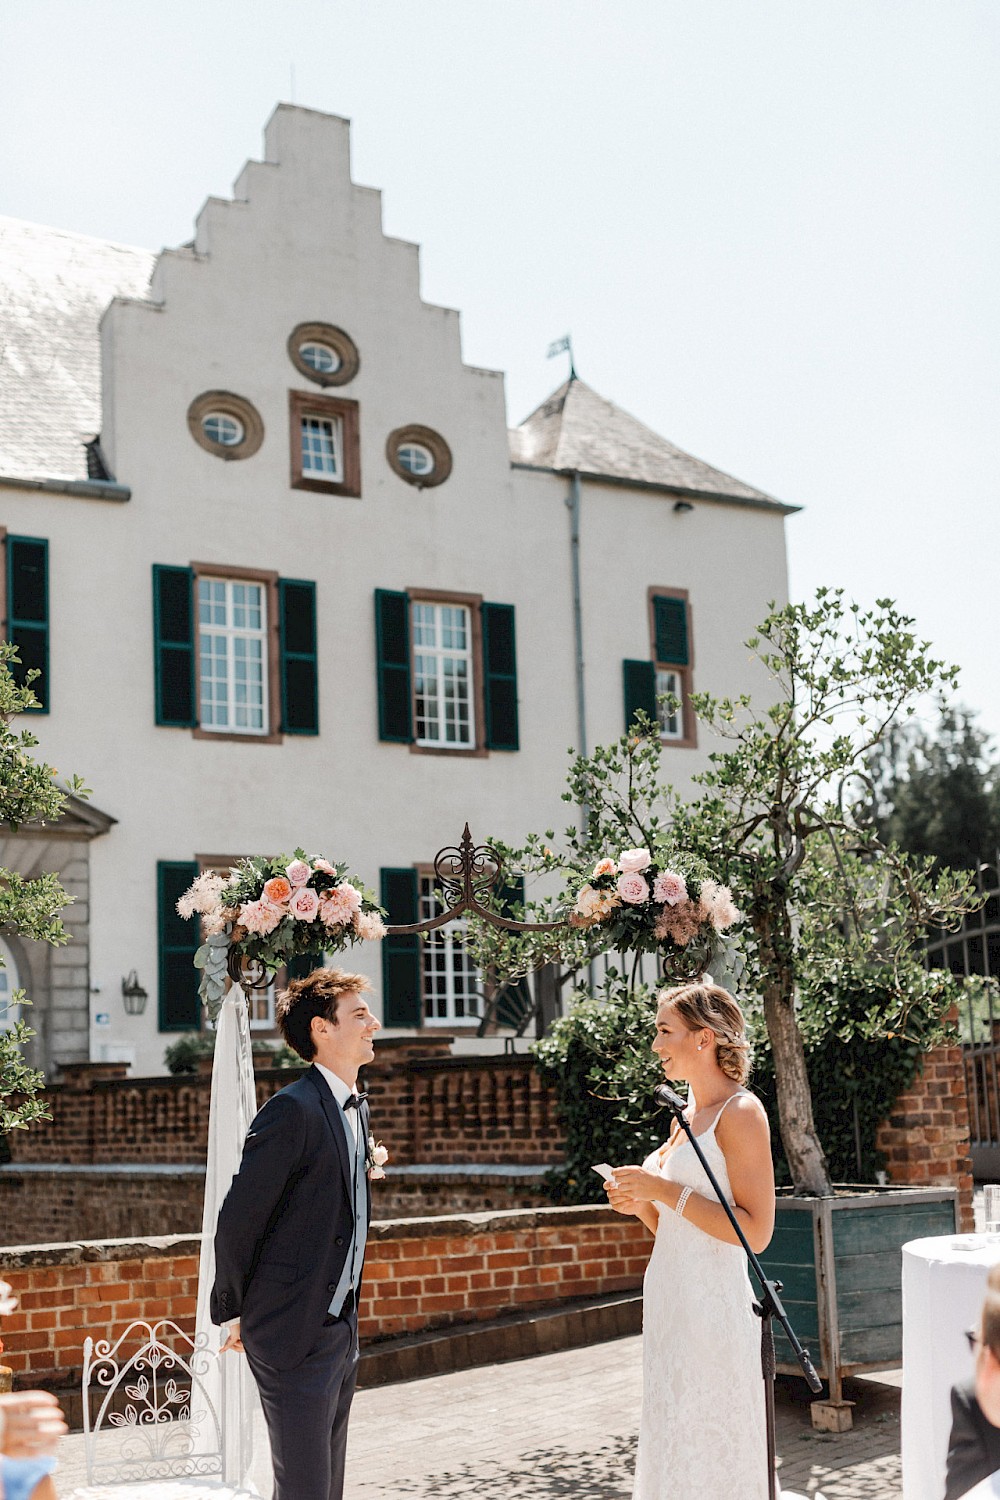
(637, 1183)
(621, 1202)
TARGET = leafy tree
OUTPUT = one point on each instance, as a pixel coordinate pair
(936, 791)
(29, 908)
(782, 820)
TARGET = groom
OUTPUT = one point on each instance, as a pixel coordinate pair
(290, 1243)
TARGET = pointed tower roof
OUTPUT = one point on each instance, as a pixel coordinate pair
(578, 431)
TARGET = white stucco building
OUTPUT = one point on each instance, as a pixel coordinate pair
(292, 580)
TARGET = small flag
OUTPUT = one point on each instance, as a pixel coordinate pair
(560, 346)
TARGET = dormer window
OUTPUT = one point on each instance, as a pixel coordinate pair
(325, 443)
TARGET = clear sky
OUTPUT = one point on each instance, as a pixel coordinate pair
(772, 227)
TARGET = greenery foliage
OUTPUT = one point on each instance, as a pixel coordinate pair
(184, 1055)
(29, 908)
(834, 914)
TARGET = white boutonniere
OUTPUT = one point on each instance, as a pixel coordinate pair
(376, 1159)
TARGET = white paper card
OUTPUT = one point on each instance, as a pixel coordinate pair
(608, 1173)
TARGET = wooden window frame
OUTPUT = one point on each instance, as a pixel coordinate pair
(269, 578)
(467, 1025)
(339, 408)
(474, 604)
(689, 739)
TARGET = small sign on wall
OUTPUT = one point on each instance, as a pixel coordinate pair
(102, 1018)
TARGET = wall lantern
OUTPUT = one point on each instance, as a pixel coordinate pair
(681, 507)
(133, 995)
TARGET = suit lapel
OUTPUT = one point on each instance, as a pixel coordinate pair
(339, 1129)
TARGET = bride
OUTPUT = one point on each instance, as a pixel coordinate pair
(702, 1430)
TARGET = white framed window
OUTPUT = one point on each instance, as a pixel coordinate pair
(450, 979)
(320, 357)
(220, 427)
(10, 1014)
(322, 448)
(232, 634)
(415, 458)
(260, 1006)
(442, 675)
(671, 717)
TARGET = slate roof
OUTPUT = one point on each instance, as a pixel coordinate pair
(54, 287)
(576, 430)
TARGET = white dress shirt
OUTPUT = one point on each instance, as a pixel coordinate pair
(341, 1092)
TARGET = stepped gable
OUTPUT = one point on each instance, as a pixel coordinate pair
(54, 288)
(578, 431)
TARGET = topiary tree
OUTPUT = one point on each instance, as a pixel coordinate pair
(833, 913)
(28, 908)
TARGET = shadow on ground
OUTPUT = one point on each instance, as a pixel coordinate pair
(542, 1474)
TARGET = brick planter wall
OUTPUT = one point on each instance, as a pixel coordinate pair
(926, 1138)
(420, 1274)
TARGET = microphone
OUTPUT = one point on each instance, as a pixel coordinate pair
(667, 1099)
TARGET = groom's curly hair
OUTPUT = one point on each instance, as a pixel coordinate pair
(318, 994)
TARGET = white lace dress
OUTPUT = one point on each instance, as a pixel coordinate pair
(702, 1434)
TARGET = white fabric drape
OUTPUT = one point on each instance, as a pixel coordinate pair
(228, 1382)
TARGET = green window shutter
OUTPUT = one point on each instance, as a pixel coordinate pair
(299, 670)
(639, 681)
(179, 1005)
(173, 634)
(670, 628)
(515, 1002)
(302, 965)
(401, 953)
(500, 677)
(28, 612)
(392, 648)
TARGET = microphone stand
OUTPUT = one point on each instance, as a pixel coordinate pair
(769, 1305)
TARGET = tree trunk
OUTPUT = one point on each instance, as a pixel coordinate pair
(806, 1158)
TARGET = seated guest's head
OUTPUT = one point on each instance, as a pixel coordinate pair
(988, 1351)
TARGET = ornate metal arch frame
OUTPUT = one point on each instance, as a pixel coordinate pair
(468, 873)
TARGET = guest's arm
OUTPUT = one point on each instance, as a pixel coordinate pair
(272, 1152)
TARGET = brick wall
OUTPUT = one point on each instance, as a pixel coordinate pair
(45, 1204)
(425, 1104)
(926, 1137)
(420, 1274)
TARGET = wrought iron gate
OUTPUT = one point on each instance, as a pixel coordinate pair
(975, 949)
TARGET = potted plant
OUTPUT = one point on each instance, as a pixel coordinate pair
(832, 914)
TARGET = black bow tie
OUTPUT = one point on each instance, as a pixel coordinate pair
(353, 1101)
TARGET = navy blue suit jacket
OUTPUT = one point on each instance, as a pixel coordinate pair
(286, 1226)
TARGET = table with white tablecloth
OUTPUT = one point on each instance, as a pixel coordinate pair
(944, 1282)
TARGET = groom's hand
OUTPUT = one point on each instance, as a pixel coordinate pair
(233, 1340)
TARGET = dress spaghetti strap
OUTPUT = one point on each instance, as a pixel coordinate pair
(737, 1095)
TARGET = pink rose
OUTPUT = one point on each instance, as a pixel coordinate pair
(670, 888)
(324, 865)
(298, 872)
(633, 889)
(260, 917)
(304, 904)
(604, 867)
(631, 861)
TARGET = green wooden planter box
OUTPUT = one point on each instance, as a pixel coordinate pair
(839, 1260)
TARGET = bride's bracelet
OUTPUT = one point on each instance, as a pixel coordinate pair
(682, 1200)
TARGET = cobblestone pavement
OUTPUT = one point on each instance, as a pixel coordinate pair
(563, 1427)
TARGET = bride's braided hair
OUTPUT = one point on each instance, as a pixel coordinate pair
(710, 1005)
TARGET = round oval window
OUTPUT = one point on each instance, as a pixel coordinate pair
(320, 357)
(415, 458)
(219, 427)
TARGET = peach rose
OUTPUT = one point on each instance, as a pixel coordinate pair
(633, 888)
(324, 865)
(604, 867)
(277, 890)
(298, 872)
(631, 861)
(304, 904)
